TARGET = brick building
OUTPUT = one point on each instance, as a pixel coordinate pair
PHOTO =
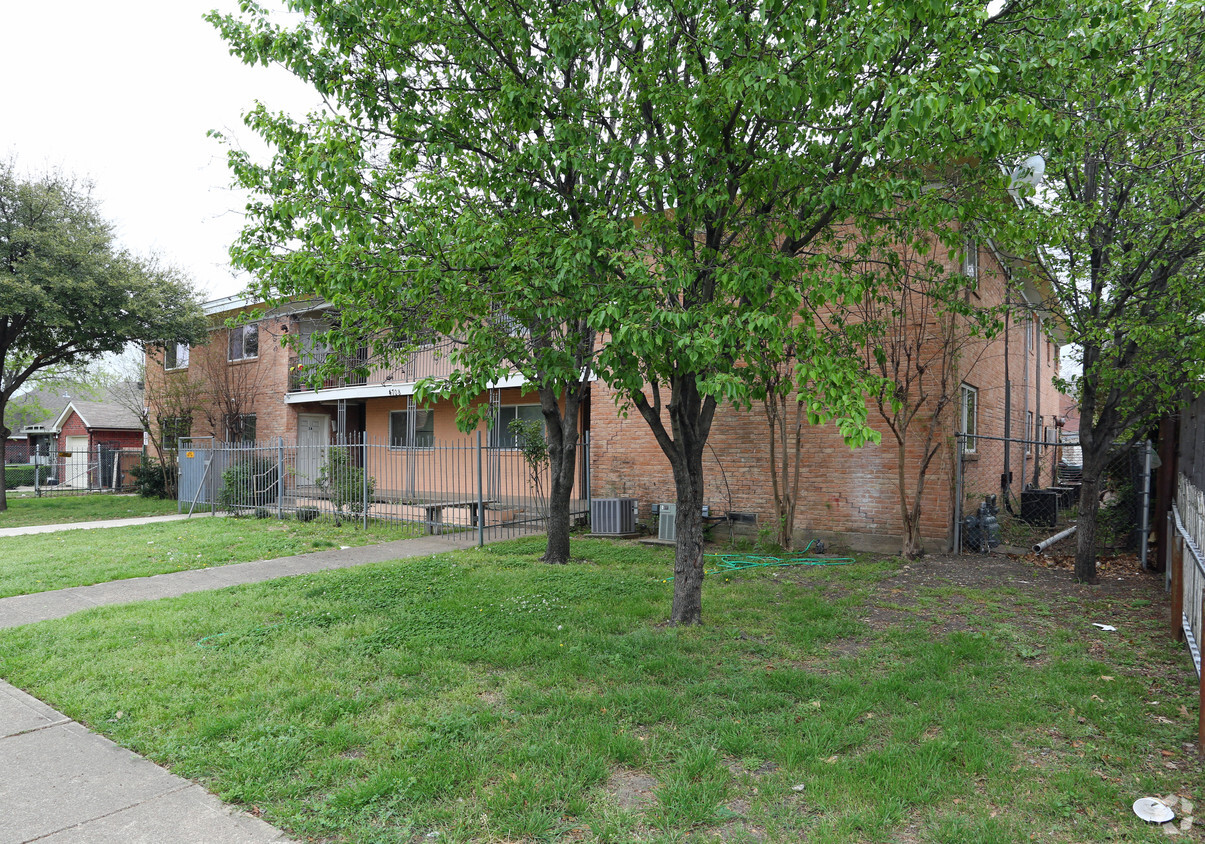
(849, 496)
(245, 385)
(91, 437)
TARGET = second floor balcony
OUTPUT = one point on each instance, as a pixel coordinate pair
(363, 370)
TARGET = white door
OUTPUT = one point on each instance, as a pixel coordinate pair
(313, 438)
(75, 469)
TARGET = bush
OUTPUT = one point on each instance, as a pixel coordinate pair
(18, 475)
(252, 482)
(344, 484)
(307, 514)
(154, 480)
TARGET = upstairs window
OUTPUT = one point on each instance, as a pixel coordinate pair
(244, 343)
(970, 416)
(970, 259)
(175, 356)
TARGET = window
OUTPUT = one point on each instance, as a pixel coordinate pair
(244, 342)
(970, 416)
(240, 428)
(412, 428)
(172, 428)
(501, 436)
(970, 259)
(175, 356)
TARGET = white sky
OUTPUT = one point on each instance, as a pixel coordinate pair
(123, 93)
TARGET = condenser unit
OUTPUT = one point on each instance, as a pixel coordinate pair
(666, 530)
(613, 516)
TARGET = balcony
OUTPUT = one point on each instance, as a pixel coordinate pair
(429, 361)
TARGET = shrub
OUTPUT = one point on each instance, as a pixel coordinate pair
(307, 514)
(154, 480)
(344, 484)
(251, 482)
(18, 475)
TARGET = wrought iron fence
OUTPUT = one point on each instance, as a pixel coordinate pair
(1015, 494)
(445, 488)
(101, 468)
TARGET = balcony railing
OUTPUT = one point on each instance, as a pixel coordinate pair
(429, 361)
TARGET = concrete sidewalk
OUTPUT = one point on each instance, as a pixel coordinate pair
(26, 530)
(42, 606)
(62, 783)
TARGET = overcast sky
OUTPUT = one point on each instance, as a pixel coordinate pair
(123, 93)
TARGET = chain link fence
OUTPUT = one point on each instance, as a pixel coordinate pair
(1014, 494)
(442, 488)
(104, 467)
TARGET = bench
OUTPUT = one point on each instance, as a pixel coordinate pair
(435, 510)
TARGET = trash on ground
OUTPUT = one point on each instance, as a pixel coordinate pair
(1153, 810)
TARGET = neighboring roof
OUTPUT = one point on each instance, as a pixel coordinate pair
(100, 415)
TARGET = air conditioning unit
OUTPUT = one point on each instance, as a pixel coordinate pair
(613, 516)
(666, 528)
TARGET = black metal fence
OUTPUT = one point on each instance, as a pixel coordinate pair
(445, 488)
(1013, 494)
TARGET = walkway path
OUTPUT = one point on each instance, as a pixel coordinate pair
(24, 530)
(61, 783)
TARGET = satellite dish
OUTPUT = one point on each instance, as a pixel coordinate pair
(1029, 173)
(1152, 810)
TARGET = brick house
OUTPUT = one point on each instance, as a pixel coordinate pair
(246, 385)
(850, 497)
(91, 438)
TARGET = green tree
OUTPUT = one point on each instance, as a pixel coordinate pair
(1123, 209)
(68, 293)
(640, 189)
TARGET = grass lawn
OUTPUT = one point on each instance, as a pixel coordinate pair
(41, 562)
(50, 510)
(488, 697)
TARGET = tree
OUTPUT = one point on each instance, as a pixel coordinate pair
(68, 293)
(919, 333)
(644, 188)
(1123, 206)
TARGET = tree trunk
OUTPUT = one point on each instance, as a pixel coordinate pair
(4, 432)
(1085, 532)
(688, 552)
(562, 466)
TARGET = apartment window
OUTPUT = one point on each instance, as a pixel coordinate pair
(970, 259)
(240, 428)
(172, 428)
(244, 342)
(412, 428)
(501, 436)
(970, 416)
(175, 356)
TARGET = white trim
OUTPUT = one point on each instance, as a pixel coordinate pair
(375, 391)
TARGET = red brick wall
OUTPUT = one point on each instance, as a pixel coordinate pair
(844, 494)
(261, 382)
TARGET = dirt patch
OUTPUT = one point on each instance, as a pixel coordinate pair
(632, 790)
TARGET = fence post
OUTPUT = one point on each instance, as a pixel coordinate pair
(1176, 543)
(960, 439)
(364, 479)
(1145, 521)
(480, 497)
(586, 480)
(280, 478)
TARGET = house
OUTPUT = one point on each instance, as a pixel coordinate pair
(1006, 390)
(247, 386)
(99, 442)
(256, 389)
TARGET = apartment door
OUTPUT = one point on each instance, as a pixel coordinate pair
(75, 469)
(313, 439)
